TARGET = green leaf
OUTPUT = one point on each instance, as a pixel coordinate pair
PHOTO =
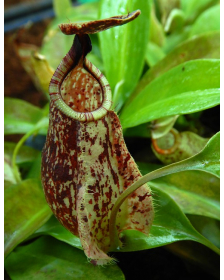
(123, 48)
(195, 192)
(96, 61)
(40, 127)
(25, 155)
(166, 7)
(9, 177)
(156, 33)
(9, 171)
(190, 87)
(53, 38)
(95, 55)
(53, 228)
(193, 8)
(61, 8)
(209, 158)
(142, 130)
(170, 225)
(87, 1)
(35, 169)
(175, 39)
(203, 46)
(25, 211)
(208, 21)
(47, 258)
(175, 20)
(43, 72)
(153, 54)
(208, 227)
(20, 116)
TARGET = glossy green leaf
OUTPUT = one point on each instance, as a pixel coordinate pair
(9, 177)
(24, 117)
(47, 258)
(175, 39)
(193, 8)
(96, 61)
(195, 192)
(25, 211)
(54, 37)
(35, 169)
(88, 1)
(142, 130)
(203, 46)
(123, 48)
(10, 172)
(95, 55)
(20, 116)
(42, 71)
(53, 228)
(175, 21)
(153, 54)
(156, 34)
(61, 8)
(209, 158)
(40, 127)
(146, 167)
(208, 227)
(25, 155)
(190, 87)
(208, 21)
(170, 225)
(166, 7)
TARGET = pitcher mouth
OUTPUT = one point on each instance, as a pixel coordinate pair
(81, 46)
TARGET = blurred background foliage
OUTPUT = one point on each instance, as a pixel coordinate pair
(163, 69)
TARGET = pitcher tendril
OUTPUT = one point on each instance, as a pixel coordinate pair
(85, 163)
